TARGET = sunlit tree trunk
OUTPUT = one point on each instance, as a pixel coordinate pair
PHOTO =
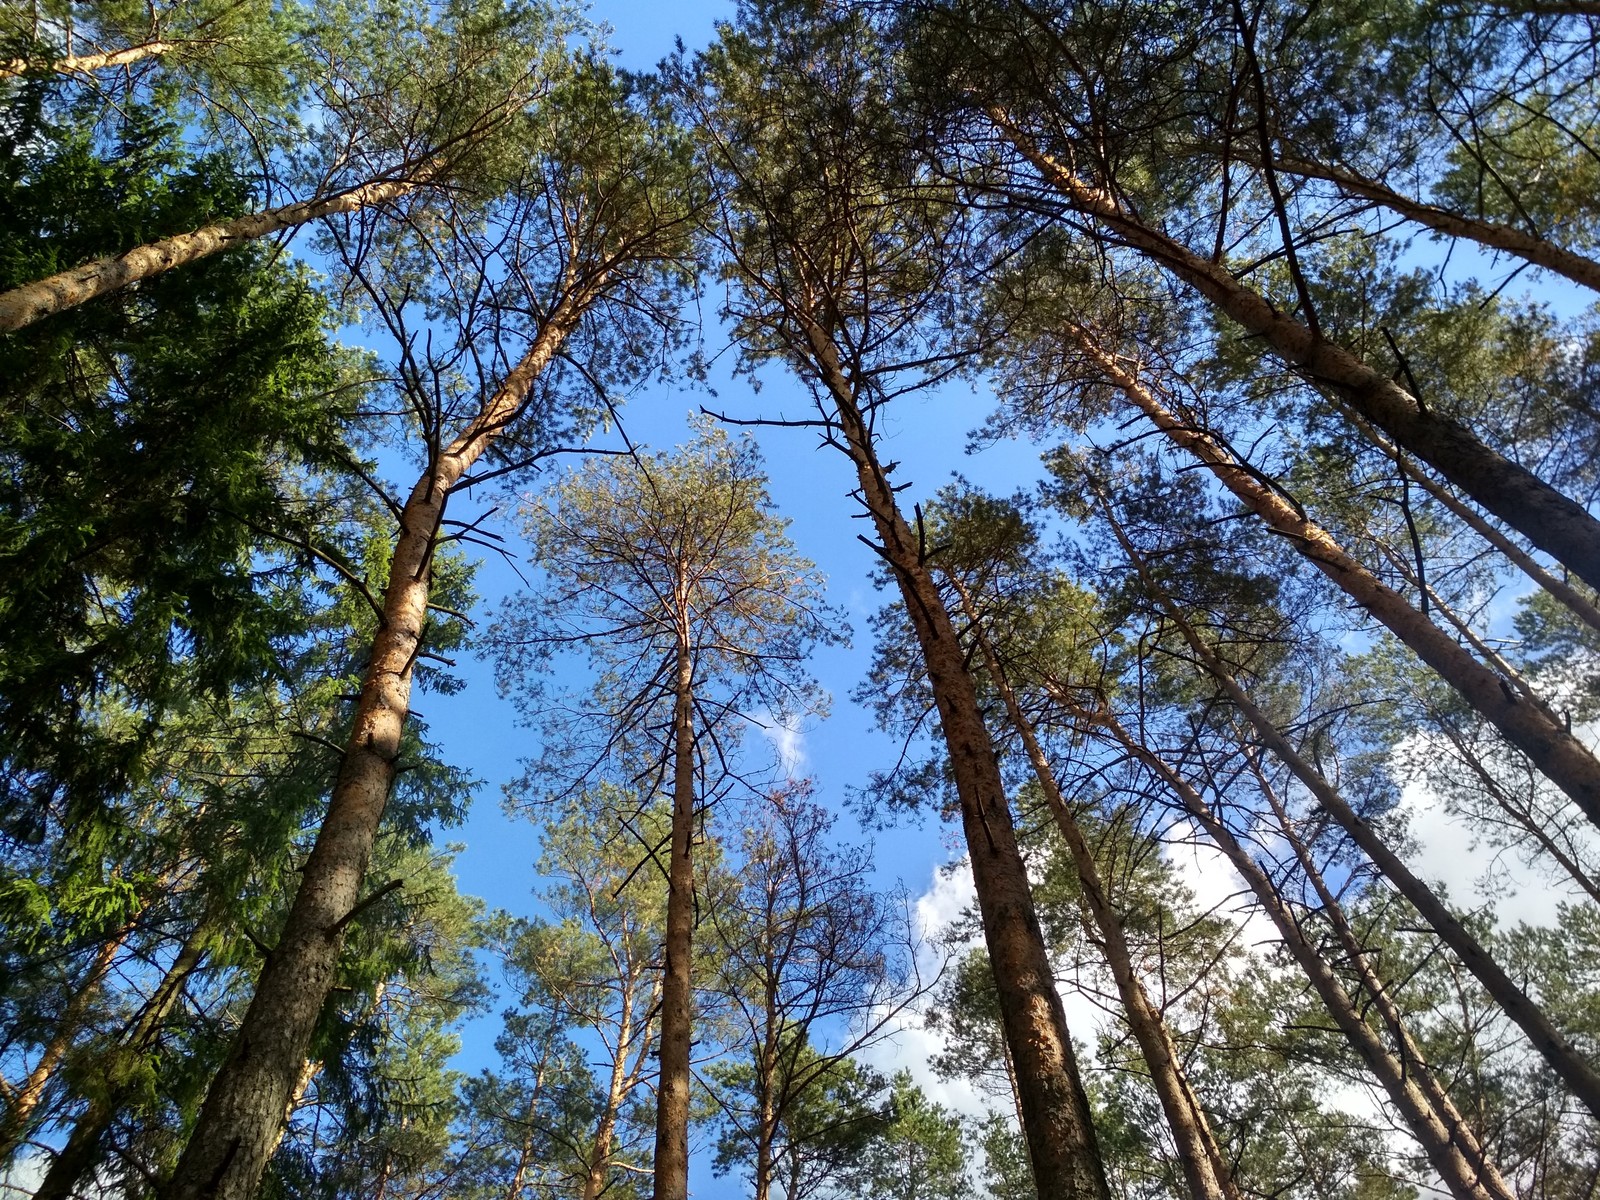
(1556, 524)
(84, 64)
(22, 306)
(243, 1114)
(1056, 1118)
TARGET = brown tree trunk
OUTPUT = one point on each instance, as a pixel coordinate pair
(1443, 1136)
(30, 302)
(1508, 238)
(21, 1102)
(1562, 1056)
(81, 1153)
(1056, 1118)
(1372, 983)
(243, 1113)
(84, 64)
(1203, 1164)
(672, 1092)
(1553, 522)
(1579, 604)
(623, 1080)
(1530, 727)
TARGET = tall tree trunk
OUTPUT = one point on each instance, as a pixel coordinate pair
(84, 64)
(1496, 236)
(672, 1092)
(81, 1153)
(1204, 1166)
(1553, 522)
(1528, 726)
(243, 1113)
(1444, 1137)
(1562, 1056)
(1575, 601)
(21, 1103)
(1355, 954)
(1056, 1118)
(30, 302)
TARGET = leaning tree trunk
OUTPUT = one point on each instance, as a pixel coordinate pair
(81, 1153)
(672, 1093)
(1564, 1059)
(1528, 726)
(21, 1103)
(22, 306)
(1494, 235)
(1204, 1166)
(1056, 1117)
(243, 1114)
(84, 64)
(1553, 522)
(1427, 1111)
(1575, 601)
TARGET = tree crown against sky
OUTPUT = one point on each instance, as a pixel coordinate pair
(644, 553)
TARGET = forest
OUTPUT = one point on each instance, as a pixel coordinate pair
(319, 321)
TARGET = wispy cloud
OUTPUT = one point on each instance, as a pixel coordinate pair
(788, 739)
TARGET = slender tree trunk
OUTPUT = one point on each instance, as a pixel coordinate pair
(1575, 601)
(1522, 816)
(1562, 1056)
(1556, 524)
(766, 1131)
(623, 1079)
(1372, 983)
(21, 1103)
(1442, 1134)
(84, 64)
(672, 1093)
(519, 1176)
(1204, 1167)
(243, 1113)
(1056, 1118)
(1496, 236)
(1528, 726)
(22, 306)
(81, 1153)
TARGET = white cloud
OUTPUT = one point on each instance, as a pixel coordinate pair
(787, 737)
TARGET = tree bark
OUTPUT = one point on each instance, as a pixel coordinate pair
(84, 64)
(1577, 603)
(243, 1113)
(1562, 1056)
(672, 1092)
(21, 1103)
(81, 1153)
(1508, 238)
(1204, 1166)
(1556, 524)
(22, 306)
(1056, 1117)
(1528, 726)
(623, 1080)
(1443, 1136)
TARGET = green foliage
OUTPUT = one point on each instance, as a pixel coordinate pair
(155, 445)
